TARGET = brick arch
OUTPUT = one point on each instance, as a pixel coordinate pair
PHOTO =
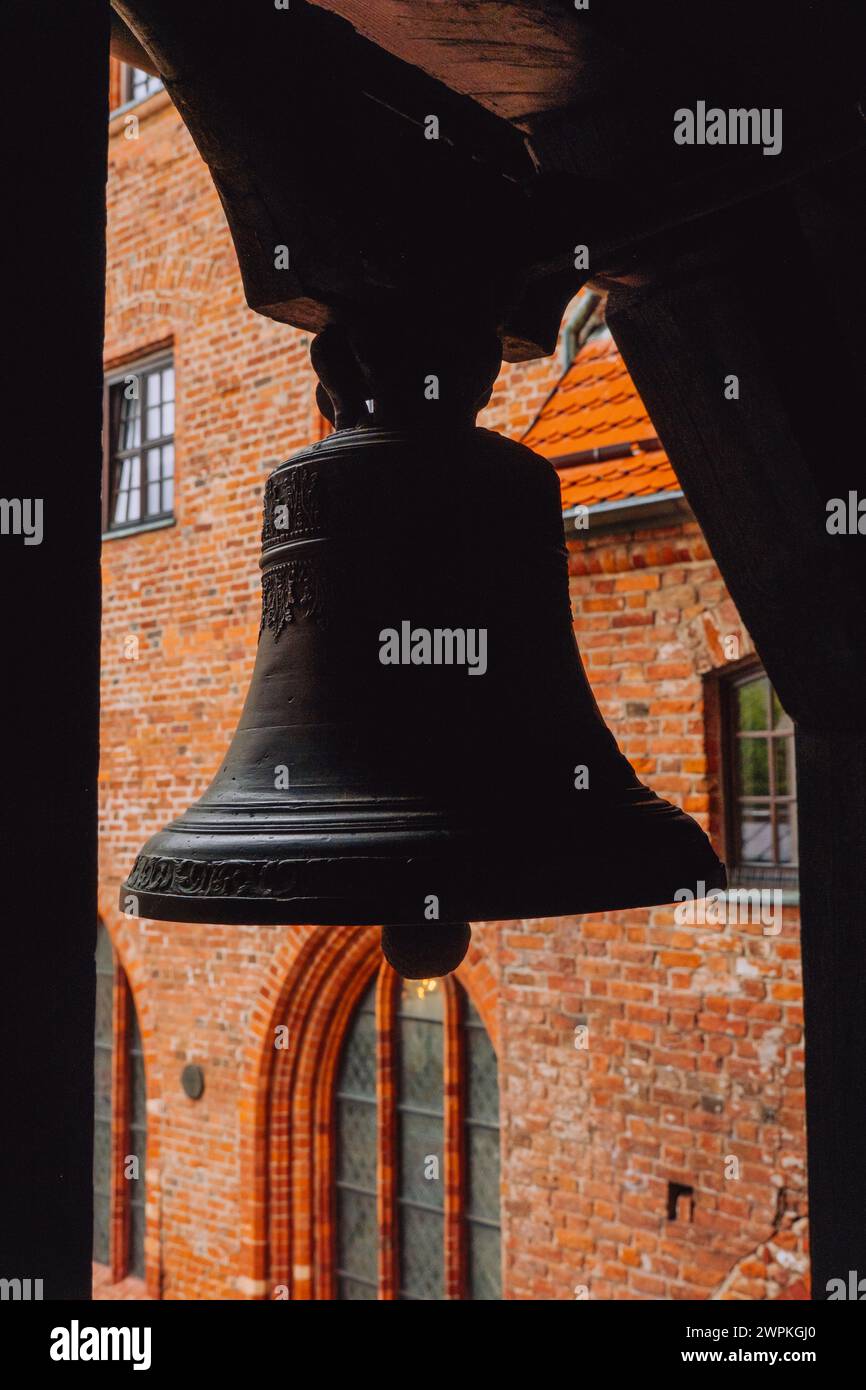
(161, 279)
(312, 988)
(476, 977)
(124, 943)
(312, 985)
(705, 636)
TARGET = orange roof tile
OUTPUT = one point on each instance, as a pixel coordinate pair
(617, 480)
(595, 406)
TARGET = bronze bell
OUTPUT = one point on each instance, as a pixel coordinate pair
(419, 745)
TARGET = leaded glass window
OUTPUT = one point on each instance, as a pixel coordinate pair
(117, 1131)
(421, 1128)
(762, 796)
(425, 1159)
(141, 446)
(137, 1144)
(481, 1120)
(357, 1229)
(104, 1045)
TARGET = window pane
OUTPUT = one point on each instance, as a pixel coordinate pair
(141, 84)
(101, 1195)
(357, 1224)
(104, 1039)
(133, 510)
(483, 1164)
(153, 421)
(168, 418)
(104, 1010)
(136, 1239)
(104, 1000)
(136, 1067)
(421, 1173)
(421, 1064)
(356, 1155)
(122, 501)
(753, 704)
(422, 1140)
(482, 1081)
(351, 1289)
(154, 388)
(356, 1121)
(102, 1155)
(485, 1262)
(154, 491)
(130, 427)
(422, 999)
(104, 952)
(137, 1144)
(168, 477)
(754, 766)
(756, 835)
(422, 1265)
(102, 1078)
(483, 1195)
(762, 782)
(358, 1067)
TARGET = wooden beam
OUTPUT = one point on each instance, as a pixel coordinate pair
(758, 466)
(513, 58)
(831, 787)
(53, 304)
(126, 47)
(317, 142)
(555, 130)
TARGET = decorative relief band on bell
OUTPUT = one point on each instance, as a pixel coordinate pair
(270, 878)
(214, 878)
(293, 505)
(291, 590)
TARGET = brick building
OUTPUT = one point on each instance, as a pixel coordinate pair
(614, 1102)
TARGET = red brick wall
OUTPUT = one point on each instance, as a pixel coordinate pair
(590, 1138)
(695, 1033)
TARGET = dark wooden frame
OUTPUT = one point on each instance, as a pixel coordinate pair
(47, 1014)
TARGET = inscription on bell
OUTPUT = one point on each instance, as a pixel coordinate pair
(293, 505)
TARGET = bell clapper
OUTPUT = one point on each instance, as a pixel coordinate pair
(419, 951)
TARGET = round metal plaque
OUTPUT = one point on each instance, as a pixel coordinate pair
(192, 1081)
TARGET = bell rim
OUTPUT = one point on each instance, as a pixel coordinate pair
(509, 903)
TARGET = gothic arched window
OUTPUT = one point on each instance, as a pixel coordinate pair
(357, 1246)
(120, 1124)
(104, 1071)
(417, 1147)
